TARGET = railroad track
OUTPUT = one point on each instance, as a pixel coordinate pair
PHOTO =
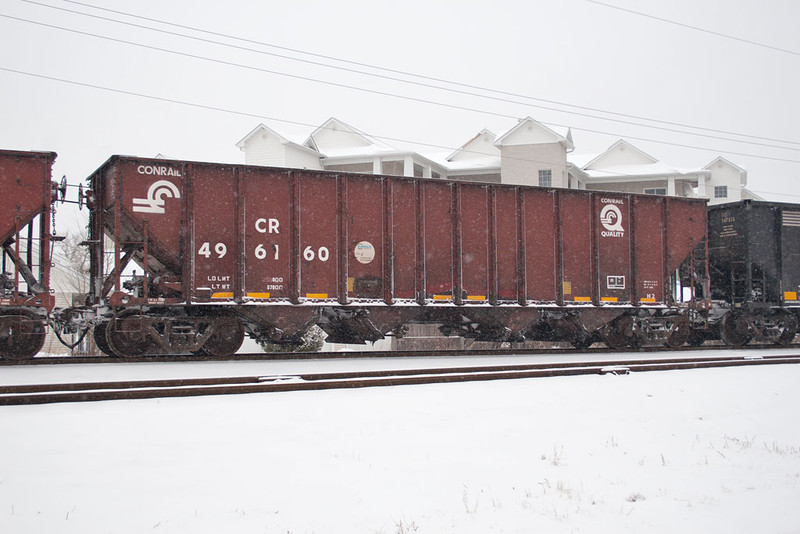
(600, 349)
(191, 387)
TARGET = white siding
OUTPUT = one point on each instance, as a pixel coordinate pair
(479, 147)
(332, 137)
(621, 155)
(723, 174)
(530, 134)
(520, 164)
(265, 149)
(300, 159)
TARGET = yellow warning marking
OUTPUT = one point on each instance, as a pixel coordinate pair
(258, 295)
(351, 283)
(790, 295)
(647, 299)
(583, 299)
(608, 299)
(222, 295)
(567, 288)
(316, 295)
(442, 297)
(476, 297)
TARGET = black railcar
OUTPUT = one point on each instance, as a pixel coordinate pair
(754, 265)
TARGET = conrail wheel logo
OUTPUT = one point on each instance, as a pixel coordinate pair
(156, 197)
(611, 219)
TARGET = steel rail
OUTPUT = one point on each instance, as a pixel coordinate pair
(279, 356)
(190, 387)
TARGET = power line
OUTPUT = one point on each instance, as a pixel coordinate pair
(695, 28)
(429, 78)
(231, 111)
(385, 138)
(383, 93)
(285, 121)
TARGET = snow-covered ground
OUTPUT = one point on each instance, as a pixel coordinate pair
(691, 451)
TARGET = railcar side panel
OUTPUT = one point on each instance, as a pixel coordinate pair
(613, 235)
(686, 224)
(319, 211)
(405, 249)
(648, 243)
(151, 193)
(578, 264)
(26, 194)
(365, 246)
(790, 255)
(267, 200)
(541, 245)
(507, 223)
(215, 239)
(24, 188)
(474, 230)
(764, 274)
(438, 241)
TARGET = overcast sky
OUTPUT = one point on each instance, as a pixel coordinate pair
(732, 79)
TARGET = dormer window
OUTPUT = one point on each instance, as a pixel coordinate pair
(721, 191)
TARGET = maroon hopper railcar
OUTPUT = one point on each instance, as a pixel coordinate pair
(227, 250)
(26, 195)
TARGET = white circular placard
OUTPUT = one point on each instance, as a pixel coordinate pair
(364, 252)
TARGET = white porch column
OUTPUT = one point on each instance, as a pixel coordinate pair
(701, 186)
(671, 186)
(377, 166)
(426, 171)
(408, 166)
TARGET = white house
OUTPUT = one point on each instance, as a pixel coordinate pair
(533, 154)
(529, 153)
(623, 167)
(726, 183)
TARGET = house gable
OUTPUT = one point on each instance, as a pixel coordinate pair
(620, 154)
(336, 135)
(722, 165)
(478, 147)
(265, 146)
(531, 132)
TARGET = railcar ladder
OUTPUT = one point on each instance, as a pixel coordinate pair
(739, 285)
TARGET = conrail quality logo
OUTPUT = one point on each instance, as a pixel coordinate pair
(611, 218)
(156, 197)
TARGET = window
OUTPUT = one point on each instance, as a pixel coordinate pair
(546, 178)
(656, 191)
(721, 191)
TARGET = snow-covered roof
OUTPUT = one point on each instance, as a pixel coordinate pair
(295, 142)
(623, 161)
(334, 134)
(340, 143)
(474, 149)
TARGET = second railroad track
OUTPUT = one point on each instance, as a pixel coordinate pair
(191, 387)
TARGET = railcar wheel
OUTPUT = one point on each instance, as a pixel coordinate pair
(788, 325)
(583, 342)
(735, 329)
(619, 335)
(126, 335)
(101, 339)
(227, 337)
(21, 335)
(677, 334)
(696, 338)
